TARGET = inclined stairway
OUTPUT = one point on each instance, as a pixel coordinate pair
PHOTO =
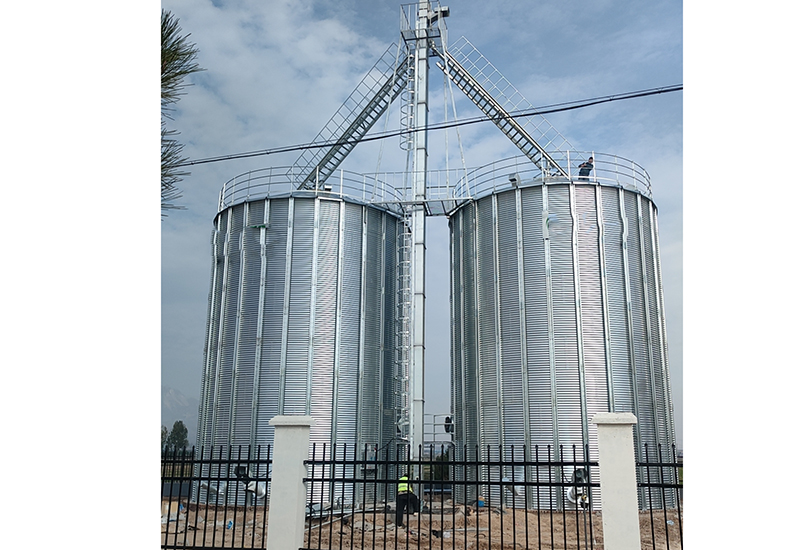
(360, 111)
(500, 101)
(392, 76)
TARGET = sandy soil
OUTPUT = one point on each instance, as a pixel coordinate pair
(454, 528)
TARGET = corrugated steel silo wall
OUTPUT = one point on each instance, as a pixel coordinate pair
(300, 321)
(557, 314)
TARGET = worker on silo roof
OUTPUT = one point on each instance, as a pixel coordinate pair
(586, 169)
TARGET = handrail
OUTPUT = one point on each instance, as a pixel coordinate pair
(392, 190)
(609, 170)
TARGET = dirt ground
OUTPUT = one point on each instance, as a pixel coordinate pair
(445, 527)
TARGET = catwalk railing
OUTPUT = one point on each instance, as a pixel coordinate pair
(445, 191)
(464, 498)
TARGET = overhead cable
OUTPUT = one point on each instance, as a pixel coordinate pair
(548, 109)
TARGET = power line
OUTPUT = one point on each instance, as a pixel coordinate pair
(548, 109)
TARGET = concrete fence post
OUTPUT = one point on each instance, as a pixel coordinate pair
(287, 499)
(618, 480)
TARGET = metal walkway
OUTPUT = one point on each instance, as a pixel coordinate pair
(499, 100)
(360, 111)
(402, 71)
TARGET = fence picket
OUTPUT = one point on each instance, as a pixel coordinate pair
(497, 497)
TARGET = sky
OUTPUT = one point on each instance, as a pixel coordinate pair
(276, 71)
(87, 257)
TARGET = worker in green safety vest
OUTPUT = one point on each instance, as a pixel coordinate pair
(405, 499)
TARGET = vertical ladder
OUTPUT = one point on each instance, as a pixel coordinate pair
(407, 111)
(360, 111)
(403, 342)
(496, 97)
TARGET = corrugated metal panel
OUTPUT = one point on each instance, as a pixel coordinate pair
(469, 315)
(285, 333)
(656, 381)
(584, 321)
(269, 389)
(657, 431)
(621, 367)
(325, 288)
(644, 396)
(208, 384)
(349, 331)
(486, 373)
(667, 392)
(371, 378)
(225, 351)
(568, 395)
(258, 221)
(592, 311)
(538, 347)
(464, 318)
(346, 360)
(660, 374)
(458, 339)
(299, 329)
(250, 274)
(512, 382)
(665, 410)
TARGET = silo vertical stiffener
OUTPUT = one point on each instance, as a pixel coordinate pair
(300, 321)
(557, 314)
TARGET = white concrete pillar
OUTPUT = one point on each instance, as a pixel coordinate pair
(618, 480)
(287, 499)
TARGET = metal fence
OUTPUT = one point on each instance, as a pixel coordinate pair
(215, 498)
(465, 498)
(660, 481)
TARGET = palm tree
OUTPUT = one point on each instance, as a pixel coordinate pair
(177, 61)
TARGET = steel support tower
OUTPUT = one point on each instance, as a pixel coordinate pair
(405, 67)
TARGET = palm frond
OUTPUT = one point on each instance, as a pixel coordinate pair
(178, 60)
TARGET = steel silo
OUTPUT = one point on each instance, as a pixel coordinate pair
(301, 314)
(557, 311)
